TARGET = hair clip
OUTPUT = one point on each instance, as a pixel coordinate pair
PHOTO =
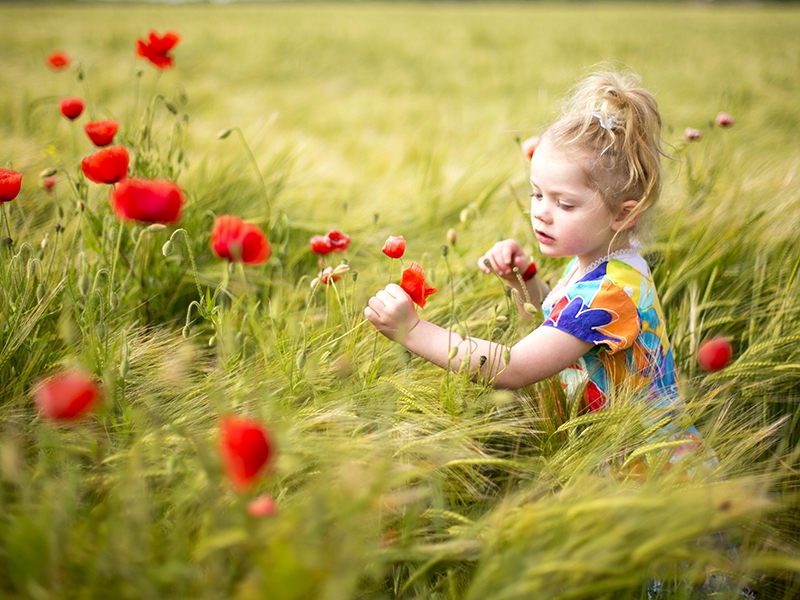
(609, 123)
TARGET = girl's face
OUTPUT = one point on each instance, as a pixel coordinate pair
(569, 219)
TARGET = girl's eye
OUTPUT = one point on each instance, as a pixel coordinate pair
(536, 195)
(564, 206)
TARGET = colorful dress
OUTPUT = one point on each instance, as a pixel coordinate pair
(613, 305)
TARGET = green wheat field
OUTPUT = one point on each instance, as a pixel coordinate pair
(392, 479)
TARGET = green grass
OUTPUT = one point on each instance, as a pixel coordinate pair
(393, 479)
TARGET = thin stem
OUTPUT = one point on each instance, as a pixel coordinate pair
(8, 227)
(114, 261)
(257, 170)
(191, 258)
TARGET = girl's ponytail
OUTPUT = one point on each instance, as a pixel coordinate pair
(610, 117)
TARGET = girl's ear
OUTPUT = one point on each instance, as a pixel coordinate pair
(625, 217)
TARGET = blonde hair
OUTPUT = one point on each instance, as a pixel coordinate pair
(615, 124)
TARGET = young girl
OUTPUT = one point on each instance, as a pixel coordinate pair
(594, 175)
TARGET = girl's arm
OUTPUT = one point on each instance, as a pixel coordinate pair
(502, 258)
(542, 353)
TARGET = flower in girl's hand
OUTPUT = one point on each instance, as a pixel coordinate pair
(239, 241)
(156, 48)
(58, 60)
(529, 146)
(692, 135)
(725, 120)
(10, 184)
(67, 396)
(395, 246)
(71, 107)
(714, 354)
(101, 132)
(246, 448)
(414, 284)
(108, 165)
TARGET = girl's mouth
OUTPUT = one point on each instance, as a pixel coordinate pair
(543, 237)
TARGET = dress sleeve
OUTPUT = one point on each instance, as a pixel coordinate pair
(598, 312)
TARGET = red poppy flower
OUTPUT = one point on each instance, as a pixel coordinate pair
(239, 240)
(262, 506)
(108, 165)
(414, 284)
(714, 354)
(101, 132)
(147, 200)
(320, 244)
(725, 120)
(10, 183)
(71, 107)
(246, 448)
(338, 240)
(58, 60)
(395, 246)
(156, 48)
(48, 183)
(692, 135)
(529, 146)
(67, 396)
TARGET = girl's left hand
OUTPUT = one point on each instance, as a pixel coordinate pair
(392, 312)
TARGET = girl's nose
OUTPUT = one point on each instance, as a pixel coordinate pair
(539, 211)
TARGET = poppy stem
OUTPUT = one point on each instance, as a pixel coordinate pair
(114, 262)
(258, 173)
(191, 258)
(8, 227)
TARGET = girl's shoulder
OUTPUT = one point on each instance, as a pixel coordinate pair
(621, 272)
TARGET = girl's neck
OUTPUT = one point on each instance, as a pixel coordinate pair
(626, 248)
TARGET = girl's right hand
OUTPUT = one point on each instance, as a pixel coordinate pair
(503, 257)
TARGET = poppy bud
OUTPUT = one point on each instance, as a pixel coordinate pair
(482, 361)
(186, 332)
(171, 106)
(507, 356)
(451, 236)
(58, 227)
(301, 360)
(529, 308)
(124, 367)
(453, 352)
(41, 291)
(444, 250)
(71, 108)
(239, 338)
(714, 354)
(44, 242)
(262, 506)
(83, 284)
(49, 172)
(10, 184)
(212, 340)
(246, 448)
(167, 248)
(113, 301)
(8, 242)
(394, 247)
(67, 396)
(463, 215)
(224, 133)
(501, 318)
